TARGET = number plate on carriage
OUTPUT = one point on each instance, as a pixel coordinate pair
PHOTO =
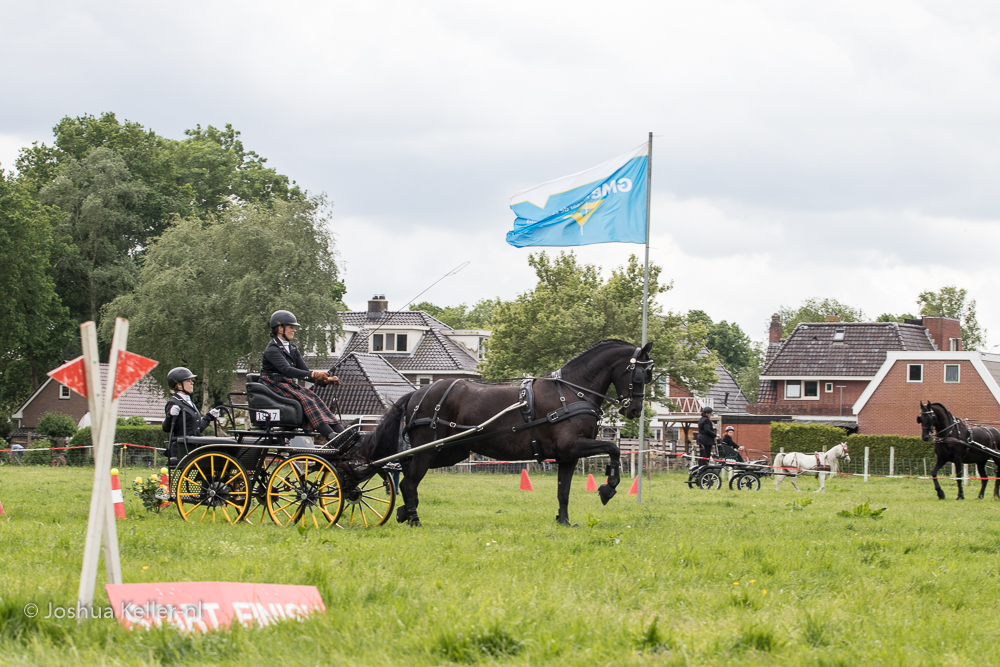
(268, 415)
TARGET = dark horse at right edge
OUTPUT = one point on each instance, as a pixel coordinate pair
(557, 421)
(955, 442)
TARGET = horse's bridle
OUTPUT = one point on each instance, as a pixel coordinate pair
(939, 436)
(641, 375)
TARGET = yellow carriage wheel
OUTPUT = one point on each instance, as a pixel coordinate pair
(304, 490)
(213, 486)
(370, 503)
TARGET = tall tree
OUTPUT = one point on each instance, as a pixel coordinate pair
(571, 307)
(816, 310)
(735, 349)
(36, 326)
(951, 301)
(102, 222)
(206, 290)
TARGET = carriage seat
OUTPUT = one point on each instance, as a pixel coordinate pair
(269, 408)
(728, 453)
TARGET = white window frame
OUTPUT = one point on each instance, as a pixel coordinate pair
(64, 393)
(958, 367)
(802, 391)
(406, 348)
(909, 366)
(827, 387)
(430, 379)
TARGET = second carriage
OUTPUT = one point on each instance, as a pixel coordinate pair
(744, 475)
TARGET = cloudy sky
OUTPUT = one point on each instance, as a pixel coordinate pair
(847, 150)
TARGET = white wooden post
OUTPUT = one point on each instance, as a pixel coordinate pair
(892, 460)
(101, 519)
(965, 473)
(866, 464)
(954, 471)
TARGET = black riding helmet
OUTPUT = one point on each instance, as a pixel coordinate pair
(285, 317)
(707, 410)
(178, 375)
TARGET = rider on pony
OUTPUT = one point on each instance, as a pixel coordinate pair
(283, 365)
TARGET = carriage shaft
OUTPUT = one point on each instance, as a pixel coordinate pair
(450, 438)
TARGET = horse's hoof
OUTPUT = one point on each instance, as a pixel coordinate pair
(401, 515)
(562, 521)
(415, 523)
(940, 496)
(606, 493)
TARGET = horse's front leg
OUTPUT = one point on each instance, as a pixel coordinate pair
(585, 447)
(566, 470)
(822, 482)
(934, 473)
(959, 469)
(981, 467)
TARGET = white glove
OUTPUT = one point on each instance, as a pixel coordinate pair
(214, 412)
(175, 410)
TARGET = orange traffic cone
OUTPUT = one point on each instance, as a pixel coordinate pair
(526, 481)
(116, 495)
(635, 487)
(591, 485)
(2, 513)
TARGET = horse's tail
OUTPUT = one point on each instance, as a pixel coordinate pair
(777, 463)
(384, 440)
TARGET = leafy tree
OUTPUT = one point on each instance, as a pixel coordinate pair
(206, 290)
(36, 326)
(102, 223)
(461, 316)
(571, 308)
(748, 377)
(735, 349)
(816, 310)
(56, 425)
(889, 317)
(950, 301)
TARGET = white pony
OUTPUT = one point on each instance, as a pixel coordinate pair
(820, 464)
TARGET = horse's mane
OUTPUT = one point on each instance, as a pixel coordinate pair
(607, 342)
(947, 412)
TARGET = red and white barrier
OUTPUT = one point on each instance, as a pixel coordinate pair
(116, 495)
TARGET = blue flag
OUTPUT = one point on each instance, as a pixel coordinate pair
(605, 204)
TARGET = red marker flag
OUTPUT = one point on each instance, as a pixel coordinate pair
(72, 375)
(131, 367)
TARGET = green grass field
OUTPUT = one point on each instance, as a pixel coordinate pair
(688, 577)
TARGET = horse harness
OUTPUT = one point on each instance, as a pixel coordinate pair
(955, 440)
(641, 374)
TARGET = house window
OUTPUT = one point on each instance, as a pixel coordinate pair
(63, 392)
(951, 373)
(955, 344)
(400, 342)
(424, 380)
(914, 372)
(377, 342)
(802, 389)
(389, 342)
(828, 387)
(664, 386)
(838, 335)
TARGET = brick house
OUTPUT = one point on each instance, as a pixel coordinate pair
(822, 368)
(964, 382)
(144, 399)
(369, 385)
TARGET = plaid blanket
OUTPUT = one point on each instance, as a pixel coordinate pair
(315, 410)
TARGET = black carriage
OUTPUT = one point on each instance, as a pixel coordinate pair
(275, 469)
(746, 475)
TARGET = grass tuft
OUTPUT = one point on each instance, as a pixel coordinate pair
(476, 644)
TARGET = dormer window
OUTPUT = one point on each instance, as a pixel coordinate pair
(838, 334)
(389, 342)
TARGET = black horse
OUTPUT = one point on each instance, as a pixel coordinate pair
(559, 420)
(955, 442)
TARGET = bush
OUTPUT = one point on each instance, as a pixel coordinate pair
(56, 425)
(907, 447)
(808, 438)
(135, 420)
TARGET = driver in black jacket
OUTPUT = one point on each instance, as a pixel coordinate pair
(706, 435)
(182, 418)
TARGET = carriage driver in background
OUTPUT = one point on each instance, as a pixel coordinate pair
(283, 364)
(706, 435)
(182, 417)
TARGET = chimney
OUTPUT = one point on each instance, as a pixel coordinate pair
(774, 333)
(946, 332)
(376, 306)
(831, 318)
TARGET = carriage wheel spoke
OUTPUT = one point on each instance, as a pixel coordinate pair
(381, 516)
(376, 498)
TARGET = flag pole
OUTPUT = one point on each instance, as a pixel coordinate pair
(645, 299)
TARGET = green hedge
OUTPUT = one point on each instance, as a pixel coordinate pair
(807, 438)
(907, 447)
